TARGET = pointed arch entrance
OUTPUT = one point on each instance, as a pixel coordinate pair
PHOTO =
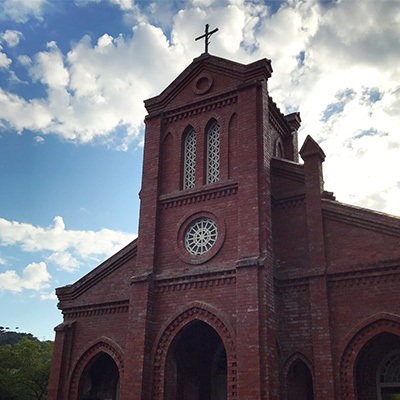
(377, 370)
(97, 373)
(196, 365)
(100, 379)
(195, 357)
(367, 354)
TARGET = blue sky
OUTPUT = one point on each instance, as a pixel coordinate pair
(73, 77)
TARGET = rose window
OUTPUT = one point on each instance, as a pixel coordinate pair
(200, 236)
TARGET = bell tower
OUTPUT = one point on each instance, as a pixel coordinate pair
(204, 246)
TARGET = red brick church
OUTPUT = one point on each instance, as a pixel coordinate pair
(248, 280)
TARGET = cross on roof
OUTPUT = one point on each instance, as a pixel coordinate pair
(206, 36)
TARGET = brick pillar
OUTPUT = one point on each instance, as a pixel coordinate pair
(248, 329)
(136, 381)
(313, 157)
(60, 362)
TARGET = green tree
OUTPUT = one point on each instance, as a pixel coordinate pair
(25, 370)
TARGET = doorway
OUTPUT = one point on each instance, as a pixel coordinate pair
(100, 379)
(196, 366)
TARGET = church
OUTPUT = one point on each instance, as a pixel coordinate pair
(248, 280)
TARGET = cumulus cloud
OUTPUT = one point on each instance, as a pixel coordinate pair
(57, 239)
(338, 65)
(11, 37)
(4, 60)
(34, 277)
(96, 88)
(64, 260)
(21, 10)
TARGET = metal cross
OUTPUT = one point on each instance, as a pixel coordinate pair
(206, 36)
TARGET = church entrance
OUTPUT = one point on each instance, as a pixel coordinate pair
(377, 371)
(196, 367)
(100, 379)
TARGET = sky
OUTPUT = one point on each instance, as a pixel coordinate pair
(73, 77)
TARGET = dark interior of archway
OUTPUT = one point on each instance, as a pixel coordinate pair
(299, 382)
(367, 364)
(196, 367)
(100, 379)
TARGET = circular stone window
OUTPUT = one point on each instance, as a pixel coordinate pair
(200, 236)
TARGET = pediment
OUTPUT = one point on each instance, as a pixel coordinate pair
(207, 76)
(68, 293)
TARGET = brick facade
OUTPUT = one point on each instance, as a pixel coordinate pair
(294, 299)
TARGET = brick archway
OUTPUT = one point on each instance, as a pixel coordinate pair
(374, 326)
(103, 345)
(211, 316)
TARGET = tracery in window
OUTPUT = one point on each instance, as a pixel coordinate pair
(189, 167)
(212, 169)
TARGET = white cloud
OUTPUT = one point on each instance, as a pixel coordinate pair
(21, 10)
(48, 296)
(11, 37)
(95, 89)
(4, 60)
(34, 277)
(57, 239)
(318, 53)
(64, 260)
(38, 139)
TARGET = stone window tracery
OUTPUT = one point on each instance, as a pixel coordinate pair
(213, 139)
(189, 167)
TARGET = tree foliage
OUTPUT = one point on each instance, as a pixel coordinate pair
(25, 370)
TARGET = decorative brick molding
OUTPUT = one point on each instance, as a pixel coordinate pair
(102, 345)
(363, 218)
(196, 281)
(277, 119)
(289, 202)
(200, 107)
(373, 326)
(198, 195)
(213, 317)
(287, 169)
(97, 309)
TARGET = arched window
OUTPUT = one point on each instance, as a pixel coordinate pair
(299, 382)
(389, 376)
(212, 169)
(189, 164)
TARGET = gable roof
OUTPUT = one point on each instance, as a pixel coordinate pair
(243, 73)
(70, 292)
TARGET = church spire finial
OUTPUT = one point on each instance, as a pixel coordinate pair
(206, 36)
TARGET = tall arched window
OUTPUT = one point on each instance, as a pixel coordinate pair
(212, 169)
(189, 164)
